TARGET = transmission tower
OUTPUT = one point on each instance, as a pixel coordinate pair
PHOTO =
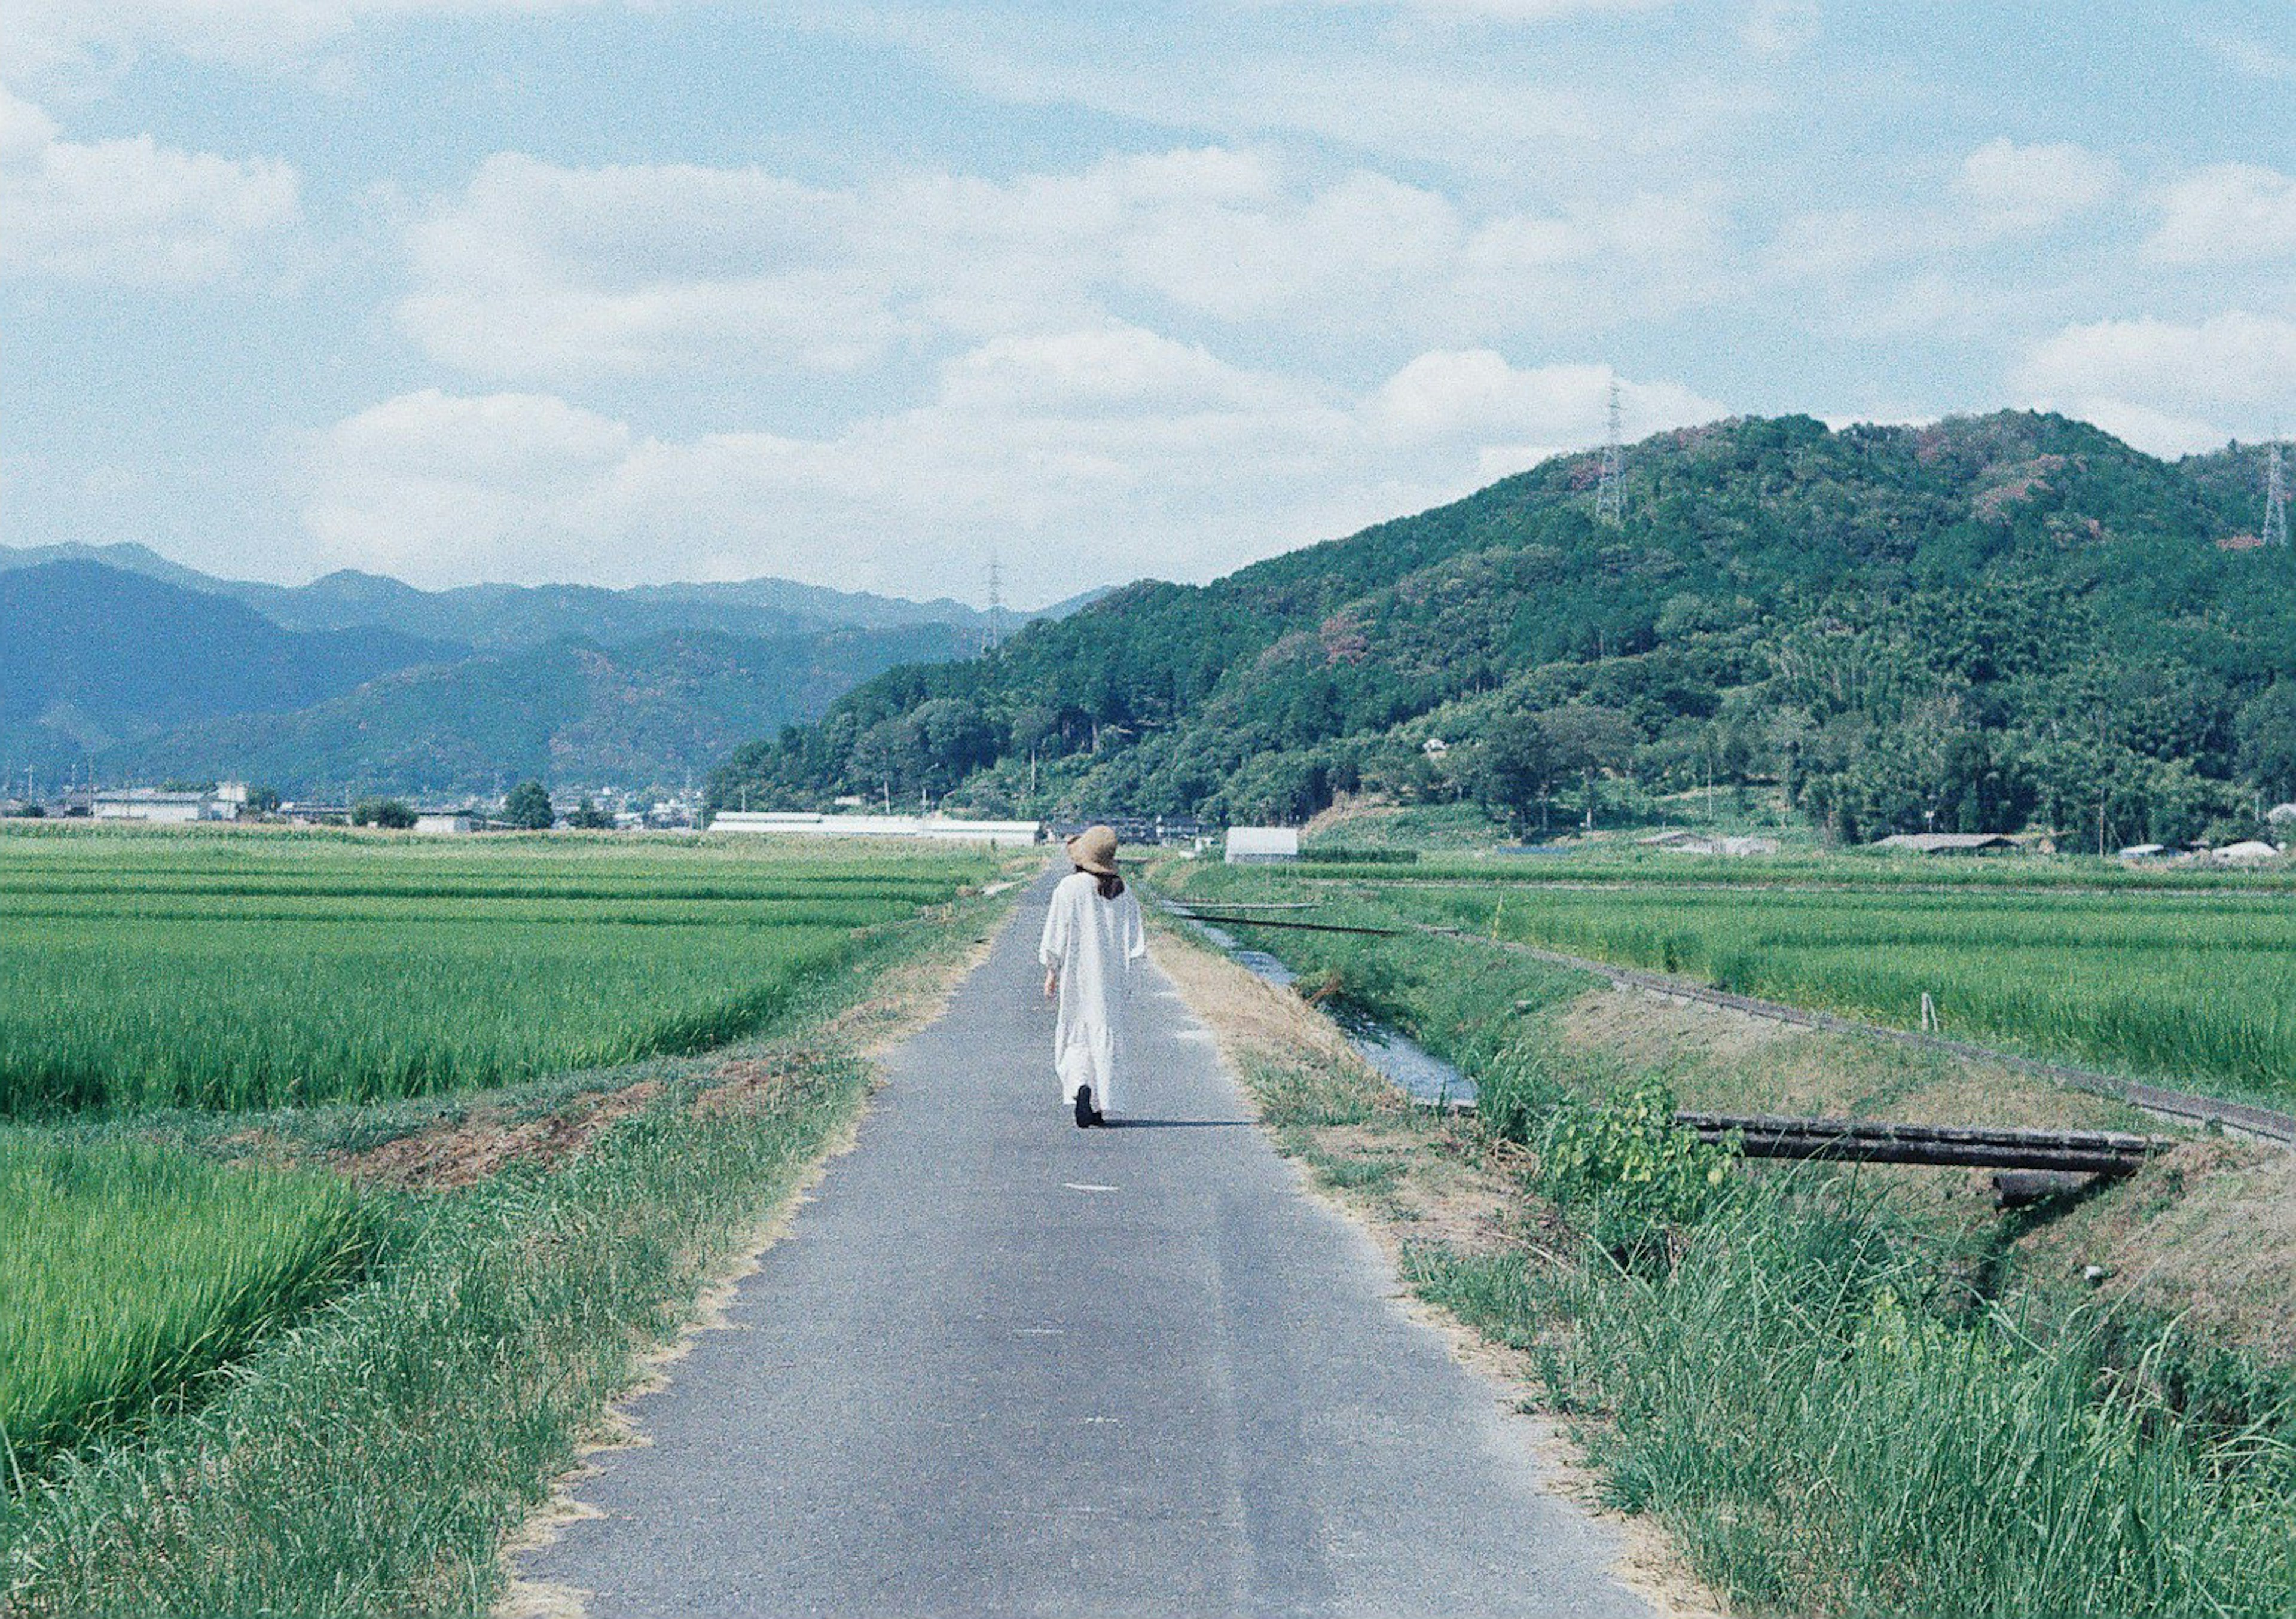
(995, 603)
(2275, 497)
(1610, 498)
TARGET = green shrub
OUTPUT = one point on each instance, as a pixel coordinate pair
(1626, 1164)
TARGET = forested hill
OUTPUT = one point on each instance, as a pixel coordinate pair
(1995, 622)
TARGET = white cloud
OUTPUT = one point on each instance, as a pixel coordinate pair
(1780, 27)
(1512, 10)
(538, 273)
(2020, 188)
(2225, 214)
(2165, 386)
(2001, 194)
(1082, 456)
(128, 210)
(43, 34)
(2250, 58)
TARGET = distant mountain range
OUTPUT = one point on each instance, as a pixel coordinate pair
(492, 617)
(115, 660)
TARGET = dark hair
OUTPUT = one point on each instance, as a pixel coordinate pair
(1110, 884)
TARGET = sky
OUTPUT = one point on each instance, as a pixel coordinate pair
(622, 292)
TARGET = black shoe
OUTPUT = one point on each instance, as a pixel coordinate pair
(1085, 1116)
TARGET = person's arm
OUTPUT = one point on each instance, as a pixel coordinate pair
(1135, 931)
(1052, 949)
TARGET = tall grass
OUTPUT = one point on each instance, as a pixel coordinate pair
(129, 1269)
(1794, 1397)
(264, 971)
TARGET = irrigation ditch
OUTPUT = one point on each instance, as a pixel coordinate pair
(2242, 1119)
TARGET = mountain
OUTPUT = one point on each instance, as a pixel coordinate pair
(498, 616)
(1987, 623)
(91, 657)
(650, 712)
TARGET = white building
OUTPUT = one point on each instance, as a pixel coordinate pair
(446, 821)
(940, 829)
(149, 804)
(1259, 845)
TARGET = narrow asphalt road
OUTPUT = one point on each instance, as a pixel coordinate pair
(1001, 1365)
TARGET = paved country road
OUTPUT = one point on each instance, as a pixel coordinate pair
(1001, 1365)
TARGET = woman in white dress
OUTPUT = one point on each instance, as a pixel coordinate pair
(1094, 942)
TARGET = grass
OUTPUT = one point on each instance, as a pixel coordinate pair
(1825, 1435)
(370, 1459)
(258, 971)
(132, 1269)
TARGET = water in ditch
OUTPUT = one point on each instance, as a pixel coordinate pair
(1416, 1071)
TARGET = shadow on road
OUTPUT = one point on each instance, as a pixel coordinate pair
(1175, 1123)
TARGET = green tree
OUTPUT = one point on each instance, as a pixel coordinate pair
(2268, 740)
(394, 815)
(528, 808)
(262, 801)
(587, 817)
(1513, 767)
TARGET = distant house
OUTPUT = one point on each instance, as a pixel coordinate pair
(1434, 747)
(446, 821)
(1260, 845)
(2146, 850)
(1950, 843)
(2243, 854)
(2281, 814)
(1681, 841)
(149, 805)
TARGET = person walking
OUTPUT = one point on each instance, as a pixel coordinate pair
(1094, 941)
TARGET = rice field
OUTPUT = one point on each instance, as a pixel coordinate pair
(229, 971)
(2194, 989)
(130, 1269)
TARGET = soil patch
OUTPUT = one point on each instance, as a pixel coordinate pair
(448, 1156)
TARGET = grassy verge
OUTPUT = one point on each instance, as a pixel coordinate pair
(1837, 1402)
(370, 1460)
(1826, 1431)
(132, 1269)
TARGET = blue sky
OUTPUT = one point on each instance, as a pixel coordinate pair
(623, 291)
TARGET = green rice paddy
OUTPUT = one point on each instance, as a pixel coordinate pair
(229, 971)
(2196, 988)
(132, 1268)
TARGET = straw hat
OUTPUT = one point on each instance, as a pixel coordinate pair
(1094, 850)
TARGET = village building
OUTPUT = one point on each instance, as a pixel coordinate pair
(942, 828)
(1262, 845)
(1951, 843)
(149, 804)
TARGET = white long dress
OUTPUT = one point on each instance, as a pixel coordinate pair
(1096, 946)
